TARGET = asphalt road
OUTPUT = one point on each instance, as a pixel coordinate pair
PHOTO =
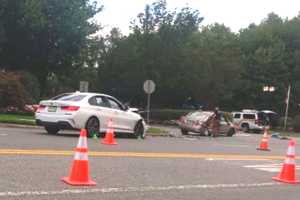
(193, 167)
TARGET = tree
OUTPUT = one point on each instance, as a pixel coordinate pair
(45, 37)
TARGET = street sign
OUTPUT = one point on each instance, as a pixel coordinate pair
(149, 86)
(84, 86)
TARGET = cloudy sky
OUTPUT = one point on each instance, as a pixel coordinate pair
(235, 14)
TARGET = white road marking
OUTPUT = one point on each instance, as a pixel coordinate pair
(3, 134)
(137, 189)
(268, 167)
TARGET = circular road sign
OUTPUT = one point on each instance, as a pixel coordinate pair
(149, 86)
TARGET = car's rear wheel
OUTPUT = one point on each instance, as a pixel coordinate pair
(139, 130)
(245, 128)
(52, 129)
(231, 132)
(92, 127)
(184, 132)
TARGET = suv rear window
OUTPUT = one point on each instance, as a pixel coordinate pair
(249, 116)
(71, 97)
(237, 116)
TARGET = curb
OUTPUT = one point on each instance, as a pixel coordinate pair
(11, 125)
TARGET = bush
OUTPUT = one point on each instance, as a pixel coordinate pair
(159, 115)
(289, 123)
(296, 123)
(31, 86)
(12, 91)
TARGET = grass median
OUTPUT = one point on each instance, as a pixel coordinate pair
(17, 119)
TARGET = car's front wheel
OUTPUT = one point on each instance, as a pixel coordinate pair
(245, 128)
(139, 130)
(52, 129)
(92, 127)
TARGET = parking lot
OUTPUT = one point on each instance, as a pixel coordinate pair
(189, 167)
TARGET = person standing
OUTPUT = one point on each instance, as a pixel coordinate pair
(216, 122)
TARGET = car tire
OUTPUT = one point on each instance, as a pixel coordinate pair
(245, 128)
(231, 132)
(92, 127)
(52, 129)
(139, 130)
(184, 132)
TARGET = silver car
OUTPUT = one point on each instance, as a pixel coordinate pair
(200, 122)
(88, 110)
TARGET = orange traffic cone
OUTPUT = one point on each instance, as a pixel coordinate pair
(288, 170)
(80, 169)
(109, 136)
(264, 142)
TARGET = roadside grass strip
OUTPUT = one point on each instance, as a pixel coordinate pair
(137, 189)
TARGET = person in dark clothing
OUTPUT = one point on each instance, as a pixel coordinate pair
(216, 123)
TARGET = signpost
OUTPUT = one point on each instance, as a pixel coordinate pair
(84, 86)
(149, 88)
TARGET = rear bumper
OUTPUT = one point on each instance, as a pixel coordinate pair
(59, 124)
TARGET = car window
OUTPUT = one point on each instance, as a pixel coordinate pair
(99, 101)
(249, 116)
(71, 98)
(114, 104)
(61, 96)
(237, 115)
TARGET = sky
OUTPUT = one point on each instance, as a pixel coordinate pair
(235, 14)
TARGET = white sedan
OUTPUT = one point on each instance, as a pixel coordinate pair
(88, 110)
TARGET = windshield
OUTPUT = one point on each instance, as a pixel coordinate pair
(69, 97)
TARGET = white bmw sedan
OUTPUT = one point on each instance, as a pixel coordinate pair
(88, 110)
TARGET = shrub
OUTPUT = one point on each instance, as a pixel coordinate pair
(296, 123)
(12, 91)
(160, 115)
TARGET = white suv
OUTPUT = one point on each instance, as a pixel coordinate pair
(250, 120)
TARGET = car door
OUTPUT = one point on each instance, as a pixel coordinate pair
(101, 108)
(224, 125)
(123, 119)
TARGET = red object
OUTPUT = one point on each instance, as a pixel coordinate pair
(109, 135)
(41, 107)
(79, 174)
(288, 170)
(264, 146)
(70, 108)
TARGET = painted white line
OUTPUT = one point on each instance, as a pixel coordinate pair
(136, 189)
(3, 134)
(268, 167)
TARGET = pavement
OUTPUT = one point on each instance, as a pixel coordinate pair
(190, 167)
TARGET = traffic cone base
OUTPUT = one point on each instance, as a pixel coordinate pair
(77, 183)
(263, 149)
(286, 181)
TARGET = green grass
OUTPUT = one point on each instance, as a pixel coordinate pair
(17, 119)
(153, 131)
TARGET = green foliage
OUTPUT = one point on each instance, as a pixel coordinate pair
(296, 123)
(166, 114)
(45, 37)
(17, 119)
(12, 92)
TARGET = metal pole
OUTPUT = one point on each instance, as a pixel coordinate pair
(148, 108)
(287, 106)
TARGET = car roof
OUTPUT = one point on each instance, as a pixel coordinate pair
(91, 94)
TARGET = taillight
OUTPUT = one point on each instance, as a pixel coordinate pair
(70, 108)
(257, 122)
(40, 108)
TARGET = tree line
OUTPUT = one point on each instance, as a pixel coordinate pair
(57, 42)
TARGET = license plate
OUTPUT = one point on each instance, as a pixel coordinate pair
(52, 109)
